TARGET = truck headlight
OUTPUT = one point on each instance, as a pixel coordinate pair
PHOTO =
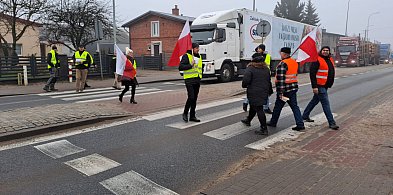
(336, 61)
(353, 61)
(209, 66)
(386, 61)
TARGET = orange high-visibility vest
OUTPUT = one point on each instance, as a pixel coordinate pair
(291, 75)
(323, 71)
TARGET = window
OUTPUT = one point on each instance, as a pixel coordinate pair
(19, 49)
(155, 28)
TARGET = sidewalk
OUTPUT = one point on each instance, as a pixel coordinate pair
(357, 159)
(144, 76)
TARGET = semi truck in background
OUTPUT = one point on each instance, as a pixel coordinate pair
(384, 52)
(355, 52)
(228, 38)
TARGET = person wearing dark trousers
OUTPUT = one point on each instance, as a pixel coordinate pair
(191, 65)
(322, 74)
(92, 62)
(257, 81)
(53, 66)
(287, 87)
(260, 50)
(129, 77)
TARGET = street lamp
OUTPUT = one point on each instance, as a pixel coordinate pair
(368, 23)
(253, 6)
(346, 24)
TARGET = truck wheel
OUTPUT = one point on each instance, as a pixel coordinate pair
(226, 73)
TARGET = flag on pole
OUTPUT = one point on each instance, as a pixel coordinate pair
(308, 48)
(183, 44)
(123, 63)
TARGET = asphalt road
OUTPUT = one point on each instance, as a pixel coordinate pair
(164, 151)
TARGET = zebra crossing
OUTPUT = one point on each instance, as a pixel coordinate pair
(100, 94)
(132, 182)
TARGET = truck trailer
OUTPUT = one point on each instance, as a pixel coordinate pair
(228, 38)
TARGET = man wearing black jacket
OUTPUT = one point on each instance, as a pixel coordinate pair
(322, 74)
(191, 65)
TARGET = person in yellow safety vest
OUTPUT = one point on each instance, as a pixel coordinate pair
(191, 65)
(53, 66)
(286, 88)
(261, 50)
(322, 74)
(82, 61)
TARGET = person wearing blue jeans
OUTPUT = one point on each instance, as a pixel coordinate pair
(287, 87)
(322, 74)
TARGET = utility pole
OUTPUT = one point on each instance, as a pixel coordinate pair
(253, 6)
(114, 25)
(346, 24)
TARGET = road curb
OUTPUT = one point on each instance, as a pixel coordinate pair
(56, 127)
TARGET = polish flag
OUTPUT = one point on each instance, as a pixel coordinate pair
(183, 44)
(308, 48)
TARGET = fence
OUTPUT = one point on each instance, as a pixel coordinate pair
(37, 66)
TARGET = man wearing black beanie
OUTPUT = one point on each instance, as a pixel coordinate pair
(287, 87)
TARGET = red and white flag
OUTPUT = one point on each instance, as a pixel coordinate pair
(183, 44)
(308, 48)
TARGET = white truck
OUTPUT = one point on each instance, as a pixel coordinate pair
(228, 38)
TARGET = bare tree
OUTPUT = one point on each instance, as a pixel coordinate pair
(74, 20)
(16, 17)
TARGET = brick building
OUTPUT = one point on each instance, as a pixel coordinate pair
(153, 33)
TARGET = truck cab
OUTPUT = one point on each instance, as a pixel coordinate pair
(218, 37)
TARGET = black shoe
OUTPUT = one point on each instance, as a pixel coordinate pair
(245, 107)
(262, 131)
(271, 125)
(46, 89)
(268, 111)
(194, 119)
(87, 86)
(185, 117)
(334, 127)
(308, 120)
(297, 128)
(114, 87)
(246, 122)
(120, 98)
(132, 101)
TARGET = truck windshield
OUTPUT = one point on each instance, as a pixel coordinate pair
(348, 48)
(202, 37)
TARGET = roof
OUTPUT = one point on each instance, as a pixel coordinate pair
(160, 14)
(21, 20)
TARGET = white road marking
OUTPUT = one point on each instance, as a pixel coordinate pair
(59, 149)
(115, 93)
(32, 141)
(286, 134)
(92, 164)
(91, 93)
(134, 183)
(238, 128)
(177, 111)
(112, 98)
(207, 118)
(73, 91)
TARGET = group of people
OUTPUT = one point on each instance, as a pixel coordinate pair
(257, 80)
(83, 60)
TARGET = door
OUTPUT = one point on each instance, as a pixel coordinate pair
(156, 49)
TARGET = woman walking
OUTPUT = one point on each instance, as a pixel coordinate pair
(257, 81)
(129, 77)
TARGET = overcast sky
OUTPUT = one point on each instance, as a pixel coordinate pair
(332, 13)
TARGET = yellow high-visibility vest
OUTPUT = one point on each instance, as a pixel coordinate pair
(193, 72)
(82, 57)
(53, 59)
